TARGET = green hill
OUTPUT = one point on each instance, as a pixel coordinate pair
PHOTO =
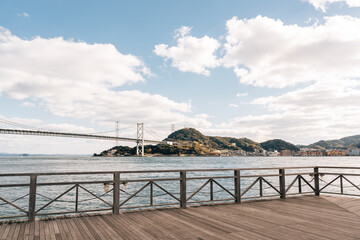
(342, 143)
(189, 141)
(278, 144)
(188, 135)
(212, 142)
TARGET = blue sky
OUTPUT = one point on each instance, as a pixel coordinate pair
(258, 69)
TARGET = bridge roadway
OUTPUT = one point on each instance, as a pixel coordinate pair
(72, 135)
(307, 217)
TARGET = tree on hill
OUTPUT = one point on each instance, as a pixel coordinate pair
(278, 144)
(212, 142)
(188, 135)
(342, 143)
(245, 144)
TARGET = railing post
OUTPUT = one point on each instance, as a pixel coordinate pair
(341, 184)
(237, 186)
(151, 193)
(260, 187)
(183, 189)
(77, 198)
(211, 190)
(282, 183)
(299, 183)
(316, 181)
(32, 198)
(116, 193)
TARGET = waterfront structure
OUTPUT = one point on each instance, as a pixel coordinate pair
(335, 152)
(287, 153)
(300, 212)
(314, 218)
(354, 152)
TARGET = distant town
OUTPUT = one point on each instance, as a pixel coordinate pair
(303, 152)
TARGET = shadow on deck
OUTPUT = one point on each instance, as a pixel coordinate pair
(307, 217)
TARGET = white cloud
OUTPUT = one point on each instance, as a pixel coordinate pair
(28, 104)
(266, 52)
(37, 124)
(323, 97)
(244, 94)
(78, 80)
(323, 4)
(182, 31)
(322, 110)
(24, 14)
(191, 54)
(233, 105)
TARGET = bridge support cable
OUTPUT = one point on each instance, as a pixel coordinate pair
(74, 135)
(140, 140)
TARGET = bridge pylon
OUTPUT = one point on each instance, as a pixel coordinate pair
(140, 139)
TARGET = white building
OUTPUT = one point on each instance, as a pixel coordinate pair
(354, 152)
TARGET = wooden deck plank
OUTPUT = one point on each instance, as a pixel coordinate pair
(350, 204)
(36, 230)
(105, 227)
(178, 227)
(343, 218)
(60, 228)
(335, 222)
(6, 229)
(269, 227)
(21, 233)
(324, 217)
(27, 231)
(83, 230)
(178, 230)
(98, 229)
(121, 226)
(154, 228)
(73, 230)
(51, 230)
(12, 231)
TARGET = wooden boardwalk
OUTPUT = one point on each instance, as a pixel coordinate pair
(310, 217)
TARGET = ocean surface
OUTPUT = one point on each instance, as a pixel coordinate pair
(29, 164)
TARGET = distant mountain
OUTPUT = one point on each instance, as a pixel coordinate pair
(342, 143)
(220, 143)
(278, 144)
(189, 141)
(9, 154)
(188, 135)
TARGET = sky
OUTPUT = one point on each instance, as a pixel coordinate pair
(261, 69)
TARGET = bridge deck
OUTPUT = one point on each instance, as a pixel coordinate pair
(308, 217)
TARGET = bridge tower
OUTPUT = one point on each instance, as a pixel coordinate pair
(117, 133)
(140, 139)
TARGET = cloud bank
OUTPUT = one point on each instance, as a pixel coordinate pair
(323, 4)
(319, 62)
(265, 52)
(80, 80)
(191, 54)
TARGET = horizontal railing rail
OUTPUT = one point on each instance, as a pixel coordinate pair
(60, 193)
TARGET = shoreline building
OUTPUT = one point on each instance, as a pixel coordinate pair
(354, 152)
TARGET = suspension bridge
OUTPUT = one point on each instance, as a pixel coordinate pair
(139, 140)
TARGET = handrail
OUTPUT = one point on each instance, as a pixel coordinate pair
(239, 186)
(146, 171)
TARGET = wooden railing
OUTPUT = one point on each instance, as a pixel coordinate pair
(168, 187)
